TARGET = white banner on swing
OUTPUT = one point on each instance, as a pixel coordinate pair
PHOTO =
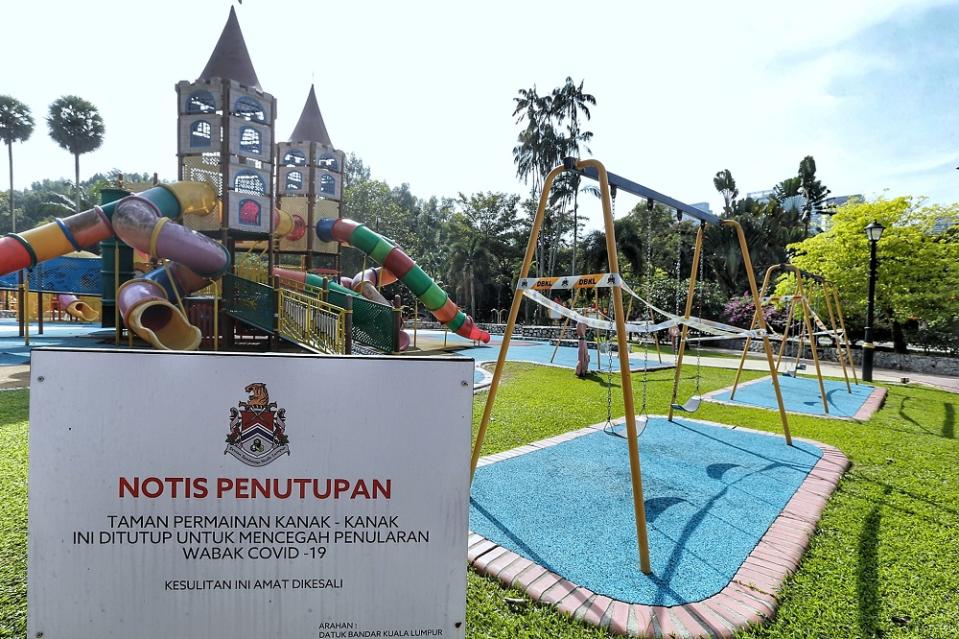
(569, 282)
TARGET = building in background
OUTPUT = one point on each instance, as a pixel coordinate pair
(820, 219)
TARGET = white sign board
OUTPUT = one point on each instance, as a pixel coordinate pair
(226, 495)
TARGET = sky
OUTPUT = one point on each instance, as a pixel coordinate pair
(423, 91)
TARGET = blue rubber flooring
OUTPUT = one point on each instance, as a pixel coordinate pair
(540, 352)
(66, 334)
(711, 493)
(801, 395)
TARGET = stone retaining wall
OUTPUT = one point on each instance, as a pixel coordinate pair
(912, 362)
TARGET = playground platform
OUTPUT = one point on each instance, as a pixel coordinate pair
(15, 352)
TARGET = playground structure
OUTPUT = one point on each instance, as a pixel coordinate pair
(397, 265)
(260, 205)
(142, 221)
(527, 287)
(66, 284)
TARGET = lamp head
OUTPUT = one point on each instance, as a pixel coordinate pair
(874, 231)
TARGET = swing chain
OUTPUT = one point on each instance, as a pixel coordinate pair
(649, 296)
(609, 350)
(699, 343)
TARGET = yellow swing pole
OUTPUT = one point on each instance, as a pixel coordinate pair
(790, 315)
(757, 301)
(807, 320)
(634, 464)
(752, 327)
(511, 320)
(840, 355)
(845, 335)
(800, 350)
(639, 507)
(689, 309)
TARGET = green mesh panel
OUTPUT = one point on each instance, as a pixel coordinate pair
(249, 302)
(372, 322)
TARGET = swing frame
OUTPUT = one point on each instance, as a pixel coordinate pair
(596, 170)
(830, 295)
(757, 319)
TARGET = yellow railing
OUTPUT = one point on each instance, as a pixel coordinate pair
(311, 322)
(253, 271)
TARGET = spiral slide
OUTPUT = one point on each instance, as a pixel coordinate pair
(75, 307)
(398, 265)
(144, 222)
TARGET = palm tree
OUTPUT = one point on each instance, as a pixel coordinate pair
(538, 149)
(16, 125)
(726, 185)
(76, 126)
(812, 189)
(466, 253)
(568, 102)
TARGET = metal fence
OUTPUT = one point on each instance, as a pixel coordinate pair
(309, 321)
(374, 325)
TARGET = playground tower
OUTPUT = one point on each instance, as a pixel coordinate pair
(226, 125)
(309, 186)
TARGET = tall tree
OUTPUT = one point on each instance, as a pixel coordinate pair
(726, 185)
(918, 268)
(812, 189)
(538, 150)
(76, 126)
(569, 102)
(788, 188)
(16, 125)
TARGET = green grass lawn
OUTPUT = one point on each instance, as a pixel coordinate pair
(884, 562)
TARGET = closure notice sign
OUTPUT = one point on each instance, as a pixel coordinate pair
(226, 495)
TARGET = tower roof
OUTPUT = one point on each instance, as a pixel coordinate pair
(230, 59)
(310, 127)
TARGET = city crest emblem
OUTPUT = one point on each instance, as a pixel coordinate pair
(257, 429)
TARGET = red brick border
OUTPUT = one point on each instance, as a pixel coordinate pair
(869, 407)
(749, 598)
(872, 404)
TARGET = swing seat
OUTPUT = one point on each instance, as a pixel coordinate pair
(792, 371)
(641, 421)
(691, 405)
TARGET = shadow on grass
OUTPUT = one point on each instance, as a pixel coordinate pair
(887, 488)
(949, 422)
(867, 583)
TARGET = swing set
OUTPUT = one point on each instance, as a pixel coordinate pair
(609, 184)
(801, 318)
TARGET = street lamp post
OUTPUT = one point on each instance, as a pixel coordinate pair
(873, 232)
